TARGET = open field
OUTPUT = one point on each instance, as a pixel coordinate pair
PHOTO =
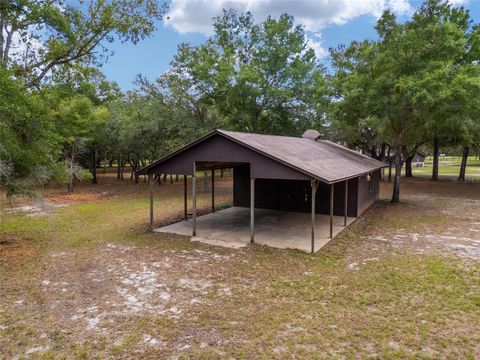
(449, 167)
(81, 278)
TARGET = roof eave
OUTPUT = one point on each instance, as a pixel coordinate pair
(145, 169)
(274, 158)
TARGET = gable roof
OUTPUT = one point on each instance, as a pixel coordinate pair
(321, 159)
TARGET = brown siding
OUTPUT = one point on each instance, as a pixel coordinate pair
(292, 195)
(219, 149)
(368, 191)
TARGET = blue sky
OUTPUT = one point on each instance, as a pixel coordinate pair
(328, 24)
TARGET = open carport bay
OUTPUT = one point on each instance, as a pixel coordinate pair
(280, 229)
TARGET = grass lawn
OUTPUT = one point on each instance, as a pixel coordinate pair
(84, 279)
(449, 167)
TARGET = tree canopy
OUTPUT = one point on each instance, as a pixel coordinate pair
(415, 86)
(255, 77)
(402, 89)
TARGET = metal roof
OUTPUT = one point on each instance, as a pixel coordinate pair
(325, 160)
(321, 159)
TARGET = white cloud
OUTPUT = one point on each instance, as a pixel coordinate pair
(315, 43)
(26, 46)
(459, 2)
(196, 15)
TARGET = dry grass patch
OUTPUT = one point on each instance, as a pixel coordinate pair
(96, 284)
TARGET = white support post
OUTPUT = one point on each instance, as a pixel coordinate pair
(346, 204)
(331, 210)
(150, 180)
(213, 190)
(314, 184)
(194, 201)
(185, 198)
(252, 211)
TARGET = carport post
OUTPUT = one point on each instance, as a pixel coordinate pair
(331, 210)
(194, 201)
(150, 181)
(345, 210)
(185, 215)
(314, 192)
(252, 211)
(213, 190)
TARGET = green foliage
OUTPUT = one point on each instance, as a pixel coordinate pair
(420, 79)
(410, 85)
(56, 114)
(259, 78)
(57, 35)
(28, 149)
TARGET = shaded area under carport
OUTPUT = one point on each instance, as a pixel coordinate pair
(281, 229)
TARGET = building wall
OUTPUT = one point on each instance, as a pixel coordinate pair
(368, 191)
(219, 149)
(293, 195)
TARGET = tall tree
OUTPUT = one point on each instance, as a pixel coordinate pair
(29, 150)
(54, 34)
(399, 86)
(256, 77)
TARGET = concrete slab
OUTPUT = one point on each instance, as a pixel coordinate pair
(231, 228)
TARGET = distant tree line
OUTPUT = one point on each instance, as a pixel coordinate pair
(413, 88)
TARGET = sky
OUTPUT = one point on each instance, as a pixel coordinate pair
(328, 23)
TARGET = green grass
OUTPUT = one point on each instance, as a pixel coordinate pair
(449, 167)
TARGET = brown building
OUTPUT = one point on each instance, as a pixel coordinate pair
(279, 173)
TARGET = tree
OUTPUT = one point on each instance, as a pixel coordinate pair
(354, 115)
(52, 96)
(29, 151)
(465, 92)
(76, 121)
(401, 84)
(255, 77)
(54, 34)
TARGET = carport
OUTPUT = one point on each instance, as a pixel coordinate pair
(287, 191)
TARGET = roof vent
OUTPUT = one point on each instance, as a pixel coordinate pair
(311, 134)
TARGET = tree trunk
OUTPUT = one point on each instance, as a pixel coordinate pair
(398, 170)
(119, 165)
(205, 181)
(389, 164)
(134, 173)
(94, 165)
(70, 182)
(408, 166)
(435, 159)
(221, 172)
(382, 152)
(122, 168)
(105, 163)
(463, 166)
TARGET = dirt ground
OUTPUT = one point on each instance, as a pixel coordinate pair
(82, 278)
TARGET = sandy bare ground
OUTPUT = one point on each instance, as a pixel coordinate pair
(161, 296)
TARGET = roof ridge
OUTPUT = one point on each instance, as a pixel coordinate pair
(329, 142)
(257, 134)
(321, 154)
